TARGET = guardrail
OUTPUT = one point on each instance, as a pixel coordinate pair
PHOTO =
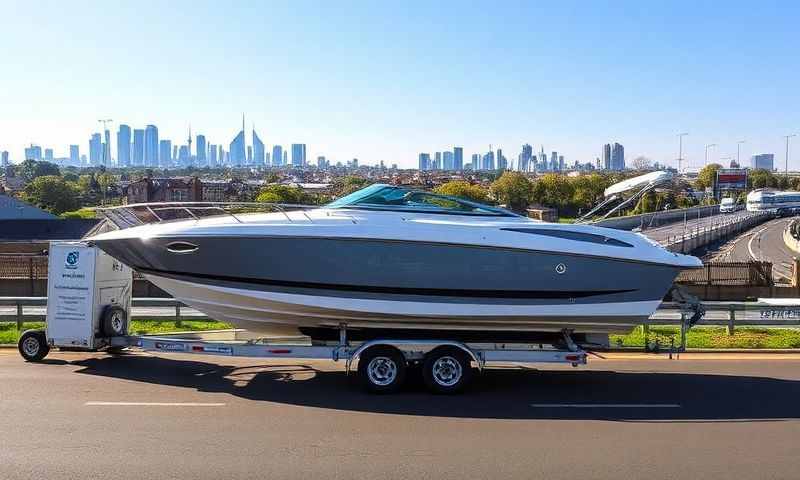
(701, 236)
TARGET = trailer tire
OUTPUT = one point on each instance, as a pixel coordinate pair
(115, 321)
(33, 345)
(447, 370)
(382, 369)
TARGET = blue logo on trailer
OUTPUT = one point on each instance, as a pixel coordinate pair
(72, 260)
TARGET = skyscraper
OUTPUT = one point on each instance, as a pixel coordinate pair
(74, 155)
(488, 160)
(4, 162)
(138, 147)
(424, 161)
(277, 155)
(151, 146)
(202, 158)
(524, 160)
(502, 161)
(221, 155)
(321, 163)
(476, 161)
(607, 156)
(237, 150)
(298, 154)
(95, 150)
(561, 165)
(258, 150)
(48, 154)
(285, 157)
(107, 148)
(437, 161)
(165, 152)
(124, 146)
(34, 152)
(447, 161)
(458, 158)
(617, 157)
(764, 161)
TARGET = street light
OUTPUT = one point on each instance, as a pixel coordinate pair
(707, 147)
(680, 150)
(738, 144)
(787, 137)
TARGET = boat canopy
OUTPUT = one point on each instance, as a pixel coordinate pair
(399, 199)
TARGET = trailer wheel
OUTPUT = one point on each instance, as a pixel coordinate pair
(447, 370)
(115, 321)
(33, 345)
(382, 369)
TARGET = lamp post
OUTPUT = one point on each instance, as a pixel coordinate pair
(707, 147)
(739, 144)
(680, 150)
(787, 137)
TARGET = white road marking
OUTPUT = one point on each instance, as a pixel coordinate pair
(605, 405)
(750, 243)
(152, 404)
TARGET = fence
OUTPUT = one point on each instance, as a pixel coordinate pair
(23, 266)
(756, 274)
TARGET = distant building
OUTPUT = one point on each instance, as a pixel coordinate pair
(448, 162)
(124, 146)
(212, 155)
(74, 155)
(202, 149)
(553, 161)
(249, 155)
(617, 157)
(458, 158)
(107, 148)
(476, 161)
(4, 161)
(48, 154)
(95, 150)
(765, 161)
(321, 162)
(184, 156)
(34, 152)
(488, 161)
(151, 146)
(285, 157)
(607, 156)
(424, 161)
(237, 149)
(164, 190)
(298, 154)
(561, 165)
(258, 150)
(165, 152)
(277, 155)
(502, 161)
(437, 161)
(524, 163)
(138, 148)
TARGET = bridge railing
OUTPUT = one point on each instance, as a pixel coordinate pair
(756, 274)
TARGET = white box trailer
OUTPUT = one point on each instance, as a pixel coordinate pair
(89, 302)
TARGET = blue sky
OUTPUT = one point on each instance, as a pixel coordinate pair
(380, 80)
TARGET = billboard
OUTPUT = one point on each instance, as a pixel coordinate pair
(732, 178)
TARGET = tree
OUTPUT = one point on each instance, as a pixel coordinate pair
(641, 163)
(30, 169)
(464, 190)
(285, 194)
(707, 175)
(52, 193)
(349, 184)
(514, 190)
(554, 190)
(760, 178)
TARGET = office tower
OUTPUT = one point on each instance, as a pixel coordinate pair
(212, 155)
(151, 146)
(476, 161)
(355, 163)
(124, 146)
(48, 154)
(553, 161)
(298, 154)
(34, 152)
(437, 161)
(74, 155)
(561, 165)
(607, 156)
(221, 156)
(95, 150)
(4, 162)
(502, 162)
(321, 162)
(424, 161)
(277, 155)
(259, 157)
(764, 161)
(184, 156)
(249, 155)
(267, 159)
(237, 148)
(165, 152)
(458, 158)
(488, 160)
(617, 157)
(107, 148)
(138, 147)
(448, 161)
(202, 148)
(524, 159)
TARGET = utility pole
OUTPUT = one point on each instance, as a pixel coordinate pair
(107, 148)
(739, 144)
(787, 137)
(680, 150)
(707, 147)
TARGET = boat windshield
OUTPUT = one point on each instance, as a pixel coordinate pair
(392, 198)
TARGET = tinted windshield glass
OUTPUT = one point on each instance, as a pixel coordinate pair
(387, 197)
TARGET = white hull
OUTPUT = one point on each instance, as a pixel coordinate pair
(274, 313)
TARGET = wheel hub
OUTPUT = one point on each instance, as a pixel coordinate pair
(447, 371)
(30, 346)
(382, 371)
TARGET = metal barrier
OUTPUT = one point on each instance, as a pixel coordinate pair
(756, 274)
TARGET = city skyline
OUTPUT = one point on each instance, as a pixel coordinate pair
(389, 97)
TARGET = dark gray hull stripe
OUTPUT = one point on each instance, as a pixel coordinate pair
(431, 292)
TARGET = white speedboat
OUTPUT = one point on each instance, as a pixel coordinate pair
(388, 259)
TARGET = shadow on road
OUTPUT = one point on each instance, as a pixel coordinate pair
(498, 393)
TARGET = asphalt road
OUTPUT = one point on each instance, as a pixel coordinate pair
(213, 417)
(762, 243)
(662, 233)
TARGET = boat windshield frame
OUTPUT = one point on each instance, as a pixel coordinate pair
(402, 198)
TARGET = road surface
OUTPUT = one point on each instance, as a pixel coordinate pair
(92, 416)
(664, 232)
(762, 243)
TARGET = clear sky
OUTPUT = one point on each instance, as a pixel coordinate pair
(380, 80)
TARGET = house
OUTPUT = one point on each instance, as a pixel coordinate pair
(149, 190)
